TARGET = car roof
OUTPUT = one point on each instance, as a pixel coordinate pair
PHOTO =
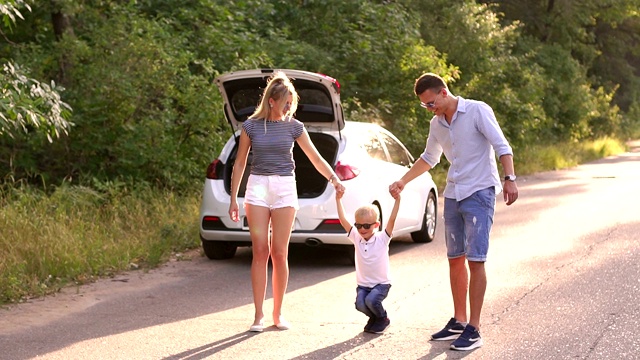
(319, 104)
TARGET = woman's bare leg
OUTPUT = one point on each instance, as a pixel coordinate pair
(282, 221)
(259, 218)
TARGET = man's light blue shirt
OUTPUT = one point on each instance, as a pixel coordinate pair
(470, 144)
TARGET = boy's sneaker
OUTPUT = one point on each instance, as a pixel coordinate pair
(380, 325)
(367, 328)
(468, 340)
(451, 331)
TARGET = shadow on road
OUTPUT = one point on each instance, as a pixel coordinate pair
(441, 350)
(201, 287)
(206, 351)
(336, 350)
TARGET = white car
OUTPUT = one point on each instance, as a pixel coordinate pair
(365, 156)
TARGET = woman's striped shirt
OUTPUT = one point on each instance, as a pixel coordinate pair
(272, 145)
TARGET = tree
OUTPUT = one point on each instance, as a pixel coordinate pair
(602, 36)
(27, 104)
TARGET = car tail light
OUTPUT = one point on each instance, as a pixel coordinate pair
(334, 82)
(212, 170)
(331, 221)
(346, 172)
(212, 223)
(330, 225)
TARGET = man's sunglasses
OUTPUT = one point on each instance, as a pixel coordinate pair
(365, 226)
(430, 105)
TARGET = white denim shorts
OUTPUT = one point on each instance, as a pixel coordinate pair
(272, 191)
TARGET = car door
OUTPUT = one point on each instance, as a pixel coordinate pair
(415, 193)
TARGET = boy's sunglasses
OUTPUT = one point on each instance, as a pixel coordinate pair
(365, 226)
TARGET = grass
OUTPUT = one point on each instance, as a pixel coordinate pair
(74, 234)
(538, 158)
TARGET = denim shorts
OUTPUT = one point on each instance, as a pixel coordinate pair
(467, 225)
(272, 191)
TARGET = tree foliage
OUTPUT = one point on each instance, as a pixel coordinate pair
(138, 74)
(603, 36)
(10, 11)
(26, 104)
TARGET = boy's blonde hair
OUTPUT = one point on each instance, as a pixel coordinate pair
(368, 211)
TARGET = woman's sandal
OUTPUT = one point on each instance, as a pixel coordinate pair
(259, 327)
(283, 324)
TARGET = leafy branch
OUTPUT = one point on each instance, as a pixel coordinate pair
(27, 104)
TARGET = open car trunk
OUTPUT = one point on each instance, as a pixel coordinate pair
(310, 182)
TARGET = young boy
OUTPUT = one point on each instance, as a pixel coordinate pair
(372, 261)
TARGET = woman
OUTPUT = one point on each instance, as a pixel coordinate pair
(271, 199)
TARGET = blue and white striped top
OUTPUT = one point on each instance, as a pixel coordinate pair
(272, 144)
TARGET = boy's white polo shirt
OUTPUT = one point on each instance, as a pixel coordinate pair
(372, 258)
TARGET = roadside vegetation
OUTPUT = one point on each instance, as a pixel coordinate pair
(73, 235)
(109, 115)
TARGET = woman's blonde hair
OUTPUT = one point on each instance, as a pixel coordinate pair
(278, 86)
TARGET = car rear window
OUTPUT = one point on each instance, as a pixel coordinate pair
(314, 104)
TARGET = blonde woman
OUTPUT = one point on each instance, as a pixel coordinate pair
(271, 198)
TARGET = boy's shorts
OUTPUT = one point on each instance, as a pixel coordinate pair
(272, 191)
(467, 225)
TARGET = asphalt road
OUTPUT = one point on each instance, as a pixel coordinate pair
(563, 270)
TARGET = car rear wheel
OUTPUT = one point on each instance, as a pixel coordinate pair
(218, 250)
(428, 231)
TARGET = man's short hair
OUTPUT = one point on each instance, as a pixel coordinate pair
(429, 81)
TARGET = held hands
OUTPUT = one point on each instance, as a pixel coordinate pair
(396, 188)
(337, 185)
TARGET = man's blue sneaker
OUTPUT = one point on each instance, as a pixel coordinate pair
(468, 340)
(451, 331)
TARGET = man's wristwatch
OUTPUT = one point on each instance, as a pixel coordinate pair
(510, 178)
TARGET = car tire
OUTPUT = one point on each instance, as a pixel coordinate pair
(218, 250)
(428, 231)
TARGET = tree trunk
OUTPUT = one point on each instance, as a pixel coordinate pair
(61, 28)
(61, 23)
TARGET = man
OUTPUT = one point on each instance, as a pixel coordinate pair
(469, 135)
